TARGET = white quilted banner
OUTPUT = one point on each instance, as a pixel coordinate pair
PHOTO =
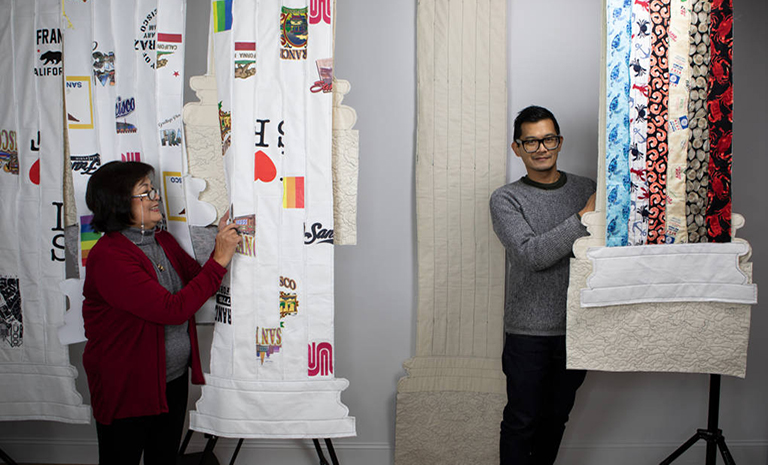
(272, 370)
(36, 380)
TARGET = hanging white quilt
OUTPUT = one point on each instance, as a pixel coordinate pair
(272, 370)
(37, 381)
(124, 73)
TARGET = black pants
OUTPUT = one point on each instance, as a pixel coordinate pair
(540, 395)
(158, 436)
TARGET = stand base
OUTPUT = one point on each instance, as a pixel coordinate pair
(207, 458)
(714, 440)
(6, 458)
(713, 435)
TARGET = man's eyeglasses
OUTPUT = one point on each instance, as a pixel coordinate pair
(152, 194)
(532, 145)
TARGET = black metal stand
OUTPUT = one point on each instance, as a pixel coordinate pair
(6, 458)
(207, 457)
(713, 435)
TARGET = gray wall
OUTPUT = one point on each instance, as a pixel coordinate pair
(628, 418)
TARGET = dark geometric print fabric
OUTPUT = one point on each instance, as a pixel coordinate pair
(656, 143)
(720, 103)
(698, 149)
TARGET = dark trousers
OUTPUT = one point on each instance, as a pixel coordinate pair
(158, 436)
(540, 395)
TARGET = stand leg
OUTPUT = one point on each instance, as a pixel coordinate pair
(319, 451)
(724, 451)
(6, 458)
(185, 442)
(208, 448)
(677, 453)
(237, 451)
(331, 451)
(712, 435)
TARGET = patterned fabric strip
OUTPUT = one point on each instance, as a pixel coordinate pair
(720, 103)
(678, 132)
(698, 149)
(657, 121)
(617, 142)
(639, 63)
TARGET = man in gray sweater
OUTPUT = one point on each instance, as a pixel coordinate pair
(537, 219)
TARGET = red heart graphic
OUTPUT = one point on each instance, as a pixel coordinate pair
(34, 173)
(264, 168)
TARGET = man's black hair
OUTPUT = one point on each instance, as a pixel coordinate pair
(533, 114)
(109, 193)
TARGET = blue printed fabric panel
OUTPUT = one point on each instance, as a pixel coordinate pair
(619, 14)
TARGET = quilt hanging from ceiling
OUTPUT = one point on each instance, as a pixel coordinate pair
(124, 83)
(272, 356)
(37, 381)
(669, 106)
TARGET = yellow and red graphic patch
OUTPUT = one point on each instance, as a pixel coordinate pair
(293, 192)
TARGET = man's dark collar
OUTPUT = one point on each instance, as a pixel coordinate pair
(555, 185)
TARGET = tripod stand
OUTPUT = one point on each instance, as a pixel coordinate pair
(6, 458)
(713, 435)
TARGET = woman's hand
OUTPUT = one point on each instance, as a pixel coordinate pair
(226, 242)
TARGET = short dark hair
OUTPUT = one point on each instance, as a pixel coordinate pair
(533, 114)
(109, 193)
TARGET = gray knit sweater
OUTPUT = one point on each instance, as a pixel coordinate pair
(537, 224)
(177, 345)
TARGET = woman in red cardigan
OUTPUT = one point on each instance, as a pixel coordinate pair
(141, 293)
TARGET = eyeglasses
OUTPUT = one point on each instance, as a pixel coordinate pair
(152, 194)
(532, 145)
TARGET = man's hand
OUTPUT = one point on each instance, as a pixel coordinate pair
(226, 241)
(589, 207)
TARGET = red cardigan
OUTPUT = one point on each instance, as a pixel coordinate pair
(125, 311)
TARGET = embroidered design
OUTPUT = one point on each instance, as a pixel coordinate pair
(294, 33)
(319, 11)
(85, 164)
(145, 38)
(269, 341)
(225, 126)
(245, 57)
(325, 70)
(320, 359)
(222, 15)
(223, 306)
(173, 187)
(79, 100)
(9, 152)
(293, 192)
(317, 234)
(123, 108)
(246, 226)
(289, 304)
(167, 44)
(11, 327)
(104, 67)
